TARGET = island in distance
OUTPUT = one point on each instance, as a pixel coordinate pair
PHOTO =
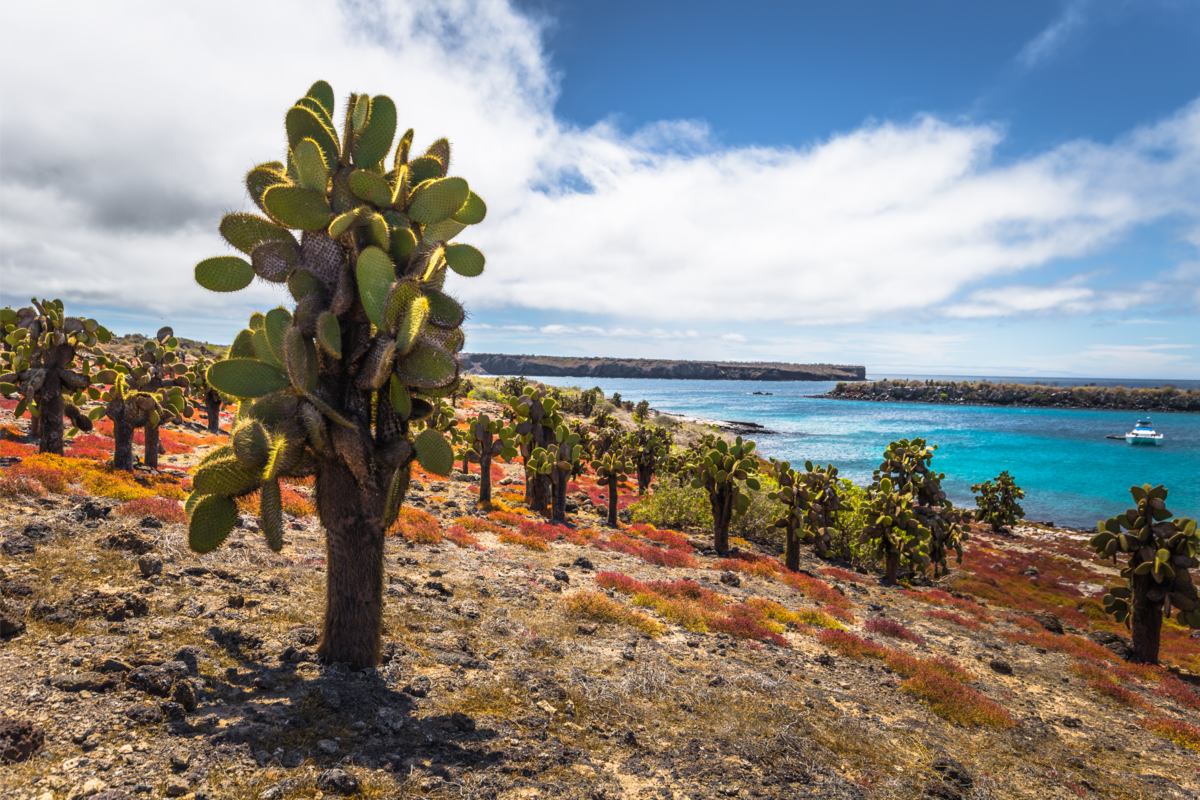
(572, 367)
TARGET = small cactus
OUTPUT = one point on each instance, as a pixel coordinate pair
(997, 501)
(1160, 553)
(39, 362)
(611, 468)
(648, 451)
(722, 470)
(810, 504)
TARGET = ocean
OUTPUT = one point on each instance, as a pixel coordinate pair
(1071, 474)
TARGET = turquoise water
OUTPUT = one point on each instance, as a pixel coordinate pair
(1071, 474)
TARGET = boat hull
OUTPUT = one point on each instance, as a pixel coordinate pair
(1157, 440)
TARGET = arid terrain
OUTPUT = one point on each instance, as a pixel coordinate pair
(525, 660)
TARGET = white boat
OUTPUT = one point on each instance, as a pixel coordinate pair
(1142, 433)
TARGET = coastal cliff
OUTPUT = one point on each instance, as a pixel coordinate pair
(1165, 398)
(556, 366)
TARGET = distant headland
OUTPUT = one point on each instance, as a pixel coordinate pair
(985, 393)
(569, 367)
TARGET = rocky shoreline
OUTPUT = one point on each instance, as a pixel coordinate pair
(1157, 400)
(567, 367)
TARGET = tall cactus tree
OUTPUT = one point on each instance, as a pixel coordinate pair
(161, 373)
(204, 392)
(1161, 551)
(562, 454)
(535, 418)
(611, 468)
(893, 530)
(486, 439)
(722, 471)
(332, 387)
(649, 447)
(40, 365)
(906, 463)
(810, 504)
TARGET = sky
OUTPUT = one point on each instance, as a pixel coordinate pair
(926, 187)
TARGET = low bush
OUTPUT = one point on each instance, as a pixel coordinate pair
(524, 540)
(673, 506)
(954, 701)
(1181, 733)
(1125, 697)
(957, 619)
(162, 508)
(891, 628)
(599, 607)
(462, 537)
(417, 526)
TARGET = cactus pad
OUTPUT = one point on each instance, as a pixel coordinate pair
(213, 517)
(465, 260)
(270, 515)
(375, 277)
(298, 208)
(427, 367)
(438, 199)
(434, 452)
(248, 231)
(375, 139)
(246, 377)
(302, 123)
(224, 274)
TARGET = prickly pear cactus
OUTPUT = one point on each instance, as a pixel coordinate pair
(810, 502)
(722, 471)
(649, 447)
(562, 453)
(1160, 552)
(41, 347)
(611, 468)
(893, 529)
(202, 391)
(535, 419)
(487, 438)
(997, 501)
(906, 462)
(331, 386)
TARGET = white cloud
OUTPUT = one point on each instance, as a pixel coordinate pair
(1049, 41)
(1068, 297)
(113, 176)
(734, 337)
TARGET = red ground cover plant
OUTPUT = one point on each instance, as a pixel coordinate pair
(891, 628)
(651, 554)
(1181, 733)
(843, 574)
(816, 589)
(1070, 644)
(506, 517)
(9, 449)
(463, 537)
(950, 616)
(1119, 693)
(528, 542)
(162, 508)
(477, 525)
(955, 701)
(20, 486)
(415, 525)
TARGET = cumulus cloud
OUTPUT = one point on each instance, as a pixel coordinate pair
(122, 152)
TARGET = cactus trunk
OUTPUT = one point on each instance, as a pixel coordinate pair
(722, 501)
(212, 407)
(150, 454)
(612, 501)
(645, 473)
(485, 476)
(122, 443)
(353, 519)
(1145, 620)
(559, 504)
(891, 567)
(51, 405)
(791, 558)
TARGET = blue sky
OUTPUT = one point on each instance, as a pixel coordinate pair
(936, 188)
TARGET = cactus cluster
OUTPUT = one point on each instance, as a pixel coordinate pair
(810, 502)
(331, 387)
(648, 449)
(893, 529)
(42, 345)
(722, 470)
(997, 501)
(906, 463)
(1160, 552)
(485, 439)
(557, 460)
(535, 420)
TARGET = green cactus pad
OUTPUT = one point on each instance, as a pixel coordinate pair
(246, 377)
(375, 277)
(302, 374)
(377, 366)
(311, 166)
(437, 200)
(213, 517)
(411, 324)
(224, 274)
(427, 367)
(375, 139)
(226, 476)
(262, 348)
(444, 310)
(318, 109)
(302, 284)
(329, 334)
(434, 452)
(243, 345)
(442, 231)
(298, 208)
(251, 446)
(270, 515)
(473, 211)
(248, 231)
(274, 261)
(402, 148)
(370, 187)
(377, 232)
(263, 177)
(400, 398)
(302, 123)
(424, 169)
(465, 260)
(441, 151)
(403, 243)
(322, 92)
(278, 322)
(274, 408)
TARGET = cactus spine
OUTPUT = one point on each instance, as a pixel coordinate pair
(371, 342)
(42, 344)
(1160, 552)
(718, 471)
(997, 501)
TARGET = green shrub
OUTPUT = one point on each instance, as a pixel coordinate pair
(674, 506)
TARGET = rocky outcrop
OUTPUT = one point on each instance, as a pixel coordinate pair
(1010, 394)
(556, 366)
